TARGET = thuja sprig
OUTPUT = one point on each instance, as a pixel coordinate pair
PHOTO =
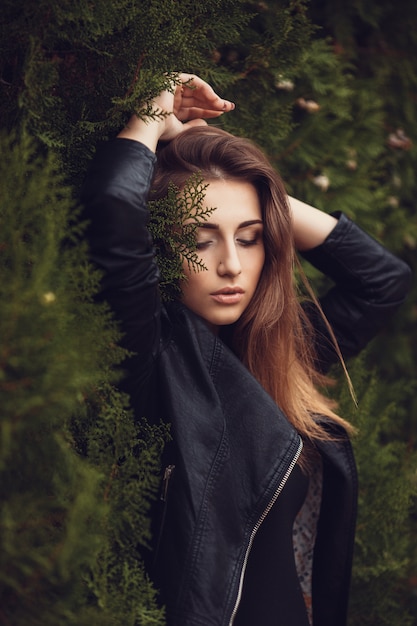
(174, 220)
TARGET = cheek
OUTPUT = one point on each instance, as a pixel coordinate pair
(258, 270)
(191, 285)
(258, 264)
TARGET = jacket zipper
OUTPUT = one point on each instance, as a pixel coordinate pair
(163, 498)
(165, 482)
(258, 524)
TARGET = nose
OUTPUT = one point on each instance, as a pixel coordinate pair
(229, 261)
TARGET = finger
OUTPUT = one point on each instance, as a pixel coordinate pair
(196, 92)
(192, 110)
(196, 113)
(219, 104)
(207, 101)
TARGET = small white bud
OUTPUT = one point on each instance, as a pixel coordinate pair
(399, 140)
(322, 182)
(285, 84)
(311, 106)
(351, 164)
(48, 297)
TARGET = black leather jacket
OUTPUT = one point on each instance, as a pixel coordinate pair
(233, 448)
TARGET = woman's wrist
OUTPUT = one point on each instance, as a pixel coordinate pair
(146, 131)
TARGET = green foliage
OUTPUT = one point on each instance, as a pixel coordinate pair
(76, 71)
(374, 46)
(378, 42)
(174, 220)
(269, 54)
(388, 490)
(62, 527)
(49, 498)
(127, 451)
(46, 289)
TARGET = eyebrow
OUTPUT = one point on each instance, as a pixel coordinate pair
(212, 226)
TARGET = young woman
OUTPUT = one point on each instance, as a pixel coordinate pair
(258, 488)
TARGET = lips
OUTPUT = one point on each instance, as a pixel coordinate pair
(228, 295)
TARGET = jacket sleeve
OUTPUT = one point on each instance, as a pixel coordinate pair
(114, 198)
(370, 284)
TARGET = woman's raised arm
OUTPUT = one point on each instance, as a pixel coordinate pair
(311, 226)
(370, 282)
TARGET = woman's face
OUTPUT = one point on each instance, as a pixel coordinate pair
(231, 246)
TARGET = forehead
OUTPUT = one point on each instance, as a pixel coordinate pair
(232, 200)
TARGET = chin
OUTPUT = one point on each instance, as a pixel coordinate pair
(224, 320)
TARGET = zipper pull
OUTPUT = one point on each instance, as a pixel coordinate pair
(167, 475)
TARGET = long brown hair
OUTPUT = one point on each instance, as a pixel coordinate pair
(273, 337)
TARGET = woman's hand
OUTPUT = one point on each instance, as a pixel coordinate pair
(189, 104)
(194, 100)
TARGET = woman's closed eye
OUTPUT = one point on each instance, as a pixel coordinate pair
(242, 241)
(248, 242)
(201, 245)
(244, 237)
(250, 238)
